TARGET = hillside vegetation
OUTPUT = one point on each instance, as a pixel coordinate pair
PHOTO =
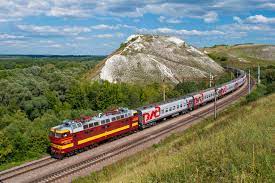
(248, 56)
(243, 56)
(237, 147)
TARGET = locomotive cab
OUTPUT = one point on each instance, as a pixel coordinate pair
(61, 140)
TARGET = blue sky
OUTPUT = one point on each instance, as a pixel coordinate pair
(98, 27)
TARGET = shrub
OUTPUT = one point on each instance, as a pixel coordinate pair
(260, 91)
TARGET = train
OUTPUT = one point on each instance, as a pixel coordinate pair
(74, 136)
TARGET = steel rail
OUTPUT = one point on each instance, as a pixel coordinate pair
(11, 173)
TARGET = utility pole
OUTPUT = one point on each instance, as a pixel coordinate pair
(215, 99)
(163, 85)
(210, 79)
(249, 82)
(215, 104)
(259, 74)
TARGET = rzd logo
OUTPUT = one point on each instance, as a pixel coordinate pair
(199, 100)
(151, 115)
(223, 90)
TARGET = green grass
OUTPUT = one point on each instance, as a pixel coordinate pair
(237, 147)
(230, 55)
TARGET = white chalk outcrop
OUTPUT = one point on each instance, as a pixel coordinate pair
(153, 58)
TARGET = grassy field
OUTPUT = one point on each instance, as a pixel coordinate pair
(241, 56)
(237, 147)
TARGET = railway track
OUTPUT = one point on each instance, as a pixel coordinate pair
(10, 173)
(59, 174)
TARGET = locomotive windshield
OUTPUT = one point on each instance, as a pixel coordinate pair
(58, 135)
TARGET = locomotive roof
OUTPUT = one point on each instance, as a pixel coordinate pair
(77, 124)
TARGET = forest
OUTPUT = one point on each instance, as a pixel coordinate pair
(39, 93)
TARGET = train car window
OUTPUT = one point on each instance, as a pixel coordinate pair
(107, 120)
(91, 125)
(174, 107)
(170, 109)
(118, 117)
(85, 126)
(126, 115)
(96, 123)
(79, 125)
(113, 119)
(103, 122)
(129, 114)
(74, 126)
(122, 116)
(166, 110)
(180, 105)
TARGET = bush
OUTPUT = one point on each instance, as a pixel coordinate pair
(260, 91)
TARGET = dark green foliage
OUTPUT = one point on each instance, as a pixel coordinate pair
(34, 97)
(122, 45)
(260, 91)
(267, 77)
(218, 57)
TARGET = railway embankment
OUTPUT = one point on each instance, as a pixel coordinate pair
(235, 147)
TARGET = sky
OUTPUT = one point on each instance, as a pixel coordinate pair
(98, 27)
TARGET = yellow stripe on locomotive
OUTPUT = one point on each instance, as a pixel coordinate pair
(61, 147)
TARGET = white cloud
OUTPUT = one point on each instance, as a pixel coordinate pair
(121, 8)
(45, 30)
(54, 30)
(166, 30)
(245, 27)
(180, 10)
(80, 38)
(210, 17)
(9, 19)
(163, 19)
(237, 19)
(268, 5)
(104, 36)
(46, 41)
(67, 12)
(104, 26)
(54, 46)
(10, 36)
(260, 19)
(205, 10)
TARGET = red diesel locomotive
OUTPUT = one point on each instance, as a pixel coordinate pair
(74, 135)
